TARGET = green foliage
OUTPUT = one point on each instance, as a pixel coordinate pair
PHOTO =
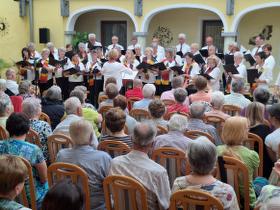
(79, 37)
(3, 66)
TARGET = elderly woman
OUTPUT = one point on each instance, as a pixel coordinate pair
(157, 110)
(52, 105)
(115, 120)
(202, 93)
(18, 126)
(202, 156)
(31, 107)
(6, 108)
(180, 95)
(235, 131)
(217, 102)
(111, 91)
(149, 91)
(3, 86)
(24, 89)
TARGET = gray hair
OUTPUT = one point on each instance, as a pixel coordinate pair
(217, 99)
(144, 134)
(91, 35)
(237, 85)
(149, 90)
(177, 82)
(10, 72)
(238, 54)
(182, 35)
(137, 46)
(5, 104)
(81, 45)
(62, 49)
(54, 93)
(23, 87)
(81, 132)
(261, 95)
(50, 45)
(79, 94)
(31, 45)
(71, 105)
(180, 95)
(31, 107)
(3, 86)
(202, 155)
(197, 109)
(178, 123)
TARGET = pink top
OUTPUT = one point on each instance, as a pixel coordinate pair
(178, 108)
(169, 95)
(200, 96)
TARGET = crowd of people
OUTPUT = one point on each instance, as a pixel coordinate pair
(176, 88)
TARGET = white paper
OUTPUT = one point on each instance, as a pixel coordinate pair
(131, 76)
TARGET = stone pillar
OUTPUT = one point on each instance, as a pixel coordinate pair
(68, 36)
(229, 37)
(141, 36)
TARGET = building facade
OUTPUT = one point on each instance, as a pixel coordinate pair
(226, 20)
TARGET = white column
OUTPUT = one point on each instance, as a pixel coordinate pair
(142, 39)
(68, 36)
(229, 37)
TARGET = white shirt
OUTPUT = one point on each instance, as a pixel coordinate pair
(185, 48)
(266, 75)
(96, 65)
(12, 86)
(110, 47)
(96, 44)
(160, 53)
(256, 50)
(131, 47)
(270, 62)
(272, 140)
(59, 71)
(215, 82)
(242, 73)
(194, 71)
(114, 69)
(153, 176)
(74, 77)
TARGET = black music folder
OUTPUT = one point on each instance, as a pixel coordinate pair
(252, 75)
(180, 53)
(207, 76)
(71, 71)
(123, 52)
(204, 53)
(146, 66)
(54, 62)
(249, 58)
(23, 63)
(220, 55)
(231, 68)
(178, 69)
(229, 59)
(199, 59)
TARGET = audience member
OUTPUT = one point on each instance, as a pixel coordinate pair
(111, 91)
(24, 89)
(180, 95)
(136, 91)
(11, 83)
(6, 108)
(202, 93)
(85, 91)
(157, 111)
(149, 91)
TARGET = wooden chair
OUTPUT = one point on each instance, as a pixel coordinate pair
(234, 172)
(102, 98)
(104, 128)
(168, 102)
(57, 142)
(254, 142)
(174, 160)
(131, 100)
(118, 186)
(104, 109)
(3, 133)
(58, 171)
(45, 117)
(33, 138)
(167, 116)
(114, 148)
(161, 130)
(184, 199)
(231, 110)
(216, 121)
(23, 195)
(196, 133)
(139, 114)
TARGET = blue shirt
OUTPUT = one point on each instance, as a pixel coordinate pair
(142, 104)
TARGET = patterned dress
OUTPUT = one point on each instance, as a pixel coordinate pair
(44, 130)
(11, 205)
(34, 155)
(269, 198)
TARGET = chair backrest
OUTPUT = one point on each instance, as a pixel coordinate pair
(58, 171)
(131, 101)
(216, 121)
(168, 115)
(168, 102)
(3, 133)
(104, 109)
(57, 142)
(139, 114)
(45, 117)
(161, 130)
(196, 133)
(254, 142)
(231, 110)
(114, 148)
(185, 199)
(33, 138)
(23, 195)
(173, 160)
(127, 193)
(235, 172)
(102, 98)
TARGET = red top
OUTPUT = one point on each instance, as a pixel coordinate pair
(17, 102)
(135, 92)
(178, 108)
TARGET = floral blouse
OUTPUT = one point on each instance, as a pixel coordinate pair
(224, 192)
(44, 130)
(269, 198)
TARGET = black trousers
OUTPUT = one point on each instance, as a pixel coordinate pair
(44, 86)
(72, 85)
(94, 92)
(62, 82)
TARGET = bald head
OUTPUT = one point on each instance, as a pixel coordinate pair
(137, 83)
(197, 110)
(144, 134)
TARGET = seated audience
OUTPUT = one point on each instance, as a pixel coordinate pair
(11, 83)
(18, 126)
(217, 102)
(202, 157)
(88, 113)
(157, 111)
(202, 93)
(235, 97)
(254, 113)
(95, 163)
(108, 81)
(115, 120)
(31, 107)
(74, 112)
(25, 89)
(136, 91)
(6, 108)
(235, 131)
(64, 195)
(149, 91)
(180, 95)
(13, 174)
(85, 91)
(121, 102)
(3, 86)
(272, 141)
(175, 136)
(177, 82)
(197, 110)
(139, 166)
(111, 91)
(52, 105)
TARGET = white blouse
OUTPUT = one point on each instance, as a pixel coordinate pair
(74, 77)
